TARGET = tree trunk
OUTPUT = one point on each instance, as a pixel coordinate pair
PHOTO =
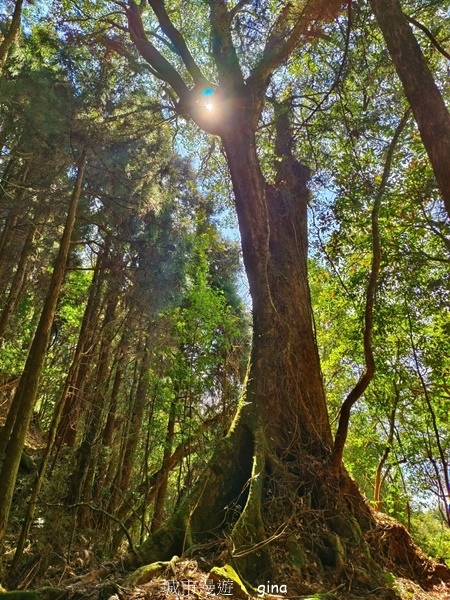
(16, 426)
(158, 513)
(81, 487)
(274, 462)
(108, 432)
(18, 280)
(67, 427)
(11, 219)
(12, 33)
(137, 413)
(424, 97)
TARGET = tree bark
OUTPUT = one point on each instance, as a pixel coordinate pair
(19, 416)
(424, 97)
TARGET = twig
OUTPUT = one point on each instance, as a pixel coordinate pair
(262, 543)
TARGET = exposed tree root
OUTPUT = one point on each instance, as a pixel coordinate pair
(287, 521)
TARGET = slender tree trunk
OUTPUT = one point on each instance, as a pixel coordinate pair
(136, 418)
(109, 429)
(18, 280)
(81, 487)
(115, 468)
(158, 514)
(67, 426)
(379, 476)
(11, 219)
(424, 97)
(16, 426)
(12, 33)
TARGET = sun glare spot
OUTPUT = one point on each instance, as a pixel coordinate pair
(209, 106)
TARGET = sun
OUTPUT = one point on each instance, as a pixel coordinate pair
(208, 97)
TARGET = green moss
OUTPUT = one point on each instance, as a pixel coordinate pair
(228, 573)
(148, 572)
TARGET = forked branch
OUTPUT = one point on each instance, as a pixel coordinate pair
(177, 40)
(151, 54)
(294, 24)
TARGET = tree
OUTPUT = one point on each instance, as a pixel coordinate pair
(280, 443)
(140, 386)
(14, 432)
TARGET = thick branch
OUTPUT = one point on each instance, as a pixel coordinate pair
(237, 8)
(369, 371)
(155, 59)
(227, 62)
(288, 33)
(424, 97)
(177, 40)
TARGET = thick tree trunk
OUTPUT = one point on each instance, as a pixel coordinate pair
(285, 382)
(16, 426)
(274, 462)
(424, 97)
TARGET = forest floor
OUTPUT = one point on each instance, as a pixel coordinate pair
(190, 583)
(186, 580)
(85, 578)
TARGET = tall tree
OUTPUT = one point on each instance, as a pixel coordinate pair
(19, 416)
(281, 438)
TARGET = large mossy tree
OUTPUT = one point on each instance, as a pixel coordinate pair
(276, 480)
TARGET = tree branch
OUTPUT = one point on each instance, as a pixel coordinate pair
(178, 41)
(149, 52)
(288, 32)
(369, 371)
(429, 35)
(227, 62)
(236, 9)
